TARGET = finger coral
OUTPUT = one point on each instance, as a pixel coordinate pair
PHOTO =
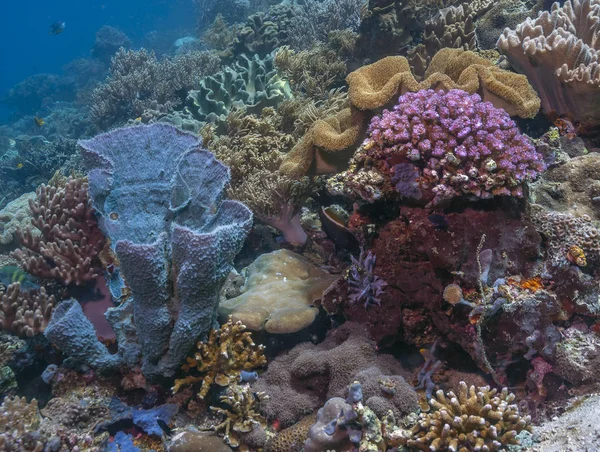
(227, 352)
(435, 146)
(473, 419)
(19, 422)
(559, 53)
(70, 241)
(25, 313)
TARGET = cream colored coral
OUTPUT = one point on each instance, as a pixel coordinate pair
(559, 53)
(278, 293)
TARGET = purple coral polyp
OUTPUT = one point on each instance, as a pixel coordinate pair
(462, 146)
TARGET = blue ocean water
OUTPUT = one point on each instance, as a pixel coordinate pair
(27, 47)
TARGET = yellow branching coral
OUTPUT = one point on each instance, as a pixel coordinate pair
(242, 416)
(228, 351)
(473, 419)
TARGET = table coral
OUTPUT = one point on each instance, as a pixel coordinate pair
(473, 419)
(242, 416)
(25, 313)
(558, 51)
(261, 306)
(228, 351)
(67, 249)
(453, 144)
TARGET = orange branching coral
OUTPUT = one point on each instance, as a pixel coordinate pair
(220, 360)
(531, 284)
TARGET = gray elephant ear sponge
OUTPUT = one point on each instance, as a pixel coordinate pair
(159, 198)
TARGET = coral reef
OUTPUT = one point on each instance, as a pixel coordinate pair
(563, 230)
(363, 285)
(253, 149)
(503, 14)
(25, 313)
(306, 376)
(261, 306)
(451, 27)
(465, 147)
(185, 225)
(138, 81)
(29, 95)
(228, 352)
(251, 82)
(558, 53)
(573, 187)
(15, 216)
(242, 416)
(70, 241)
(108, 41)
(473, 419)
(19, 423)
(291, 439)
(374, 86)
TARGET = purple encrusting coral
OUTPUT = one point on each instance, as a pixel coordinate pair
(363, 285)
(460, 144)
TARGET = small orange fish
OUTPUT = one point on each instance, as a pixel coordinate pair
(566, 128)
(39, 121)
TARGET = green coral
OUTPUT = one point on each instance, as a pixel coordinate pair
(251, 83)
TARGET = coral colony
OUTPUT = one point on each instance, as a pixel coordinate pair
(339, 225)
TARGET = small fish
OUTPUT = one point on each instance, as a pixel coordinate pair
(19, 165)
(566, 128)
(12, 143)
(138, 119)
(10, 274)
(39, 121)
(439, 222)
(57, 27)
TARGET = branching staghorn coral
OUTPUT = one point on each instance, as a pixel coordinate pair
(70, 241)
(138, 81)
(473, 419)
(242, 416)
(19, 422)
(227, 352)
(25, 313)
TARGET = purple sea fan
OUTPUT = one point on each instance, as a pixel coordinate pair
(458, 144)
(363, 285)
